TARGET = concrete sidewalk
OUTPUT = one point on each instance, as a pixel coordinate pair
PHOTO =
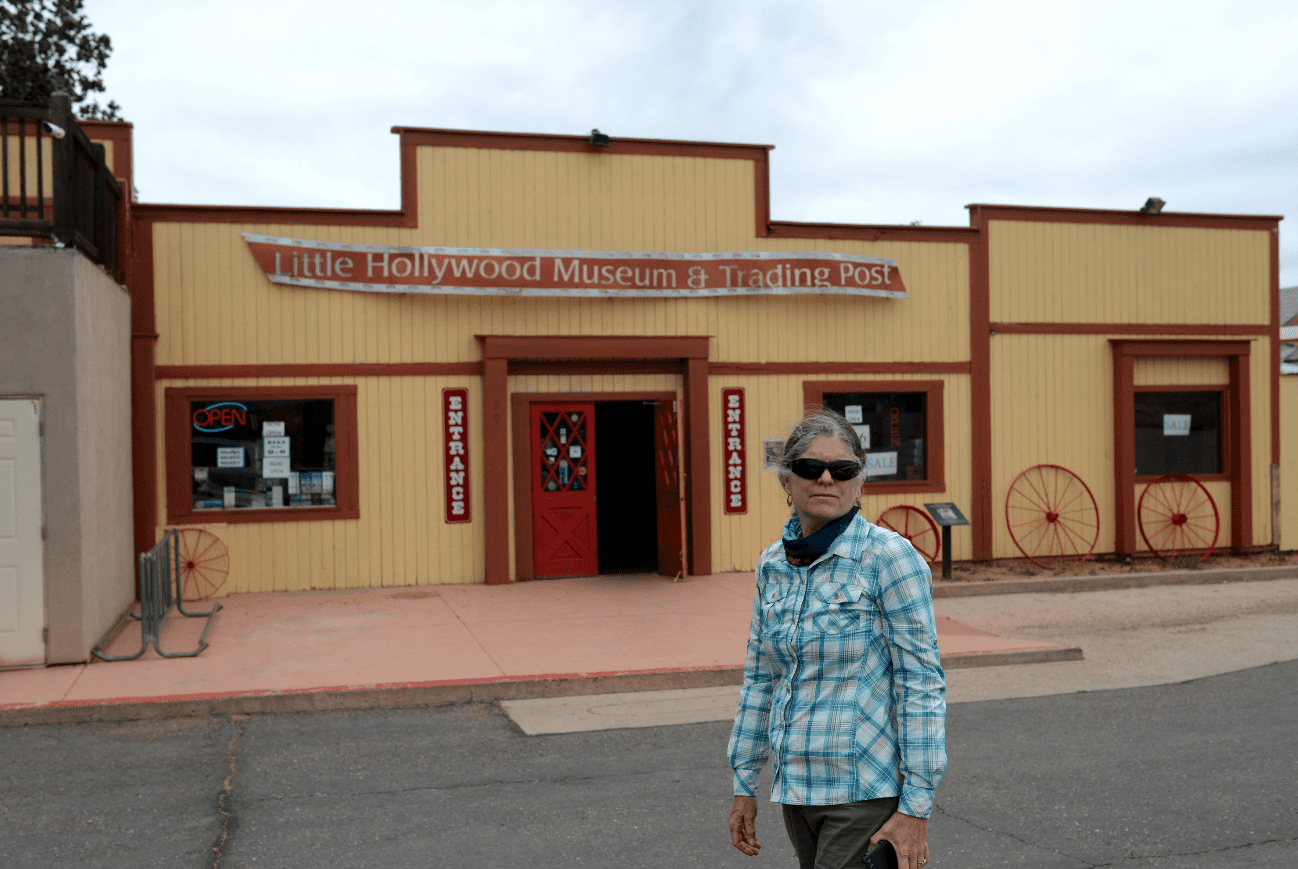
(440, 644)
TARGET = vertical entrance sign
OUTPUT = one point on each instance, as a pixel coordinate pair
(734, 456)
(456, 444)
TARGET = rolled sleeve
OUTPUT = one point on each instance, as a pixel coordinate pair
(918, 683)
(749, 741)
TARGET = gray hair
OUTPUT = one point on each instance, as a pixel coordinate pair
(823, 423)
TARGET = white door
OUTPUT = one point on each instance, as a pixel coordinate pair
(22, 573)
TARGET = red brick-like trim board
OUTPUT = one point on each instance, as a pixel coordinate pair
(689, 353)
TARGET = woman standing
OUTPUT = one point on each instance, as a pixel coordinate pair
(843, 691)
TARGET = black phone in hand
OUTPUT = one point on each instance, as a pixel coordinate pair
(880, 856)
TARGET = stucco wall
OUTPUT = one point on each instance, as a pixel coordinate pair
(103, 371)
(64, 338)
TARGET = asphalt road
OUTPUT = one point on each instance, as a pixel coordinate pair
(1182, 776)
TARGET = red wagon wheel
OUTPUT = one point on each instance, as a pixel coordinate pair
(1178, 517)
(204, 564)
(1052, 516)
(915, 526)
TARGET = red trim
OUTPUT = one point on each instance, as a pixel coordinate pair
(698, 468)
(980, 394)
(520, 404)
(1127, 329)
(144, 408)
(981, 213)
(873, 232)
(1237, 449)
(502, 352)
(813, 398)
(325, 369)
(593, 347)
(473, 369)
(495, 459)
(734, 368)
(179, 474)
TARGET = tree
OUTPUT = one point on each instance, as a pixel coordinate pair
(47, 46)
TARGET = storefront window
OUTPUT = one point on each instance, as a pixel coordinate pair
(1178, 432)
(246, 454)
(892, 427)
(259, 454)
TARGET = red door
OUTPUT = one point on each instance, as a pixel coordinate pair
(563, 490)
(667, 482)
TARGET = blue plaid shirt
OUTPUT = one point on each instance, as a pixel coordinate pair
(842, 684)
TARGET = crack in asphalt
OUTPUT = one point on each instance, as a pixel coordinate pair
(1089, 865)
(228, 822)
(467, 785)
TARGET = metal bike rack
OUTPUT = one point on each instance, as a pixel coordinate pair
(159, 594)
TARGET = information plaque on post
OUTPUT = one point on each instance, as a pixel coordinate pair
(946, 515)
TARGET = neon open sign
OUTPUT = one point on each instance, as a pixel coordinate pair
(222, 416)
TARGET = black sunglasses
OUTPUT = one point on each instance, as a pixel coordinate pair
(811, 469)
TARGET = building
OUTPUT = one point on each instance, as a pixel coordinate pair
(563, 357)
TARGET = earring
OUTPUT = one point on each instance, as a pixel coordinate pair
(788, 499)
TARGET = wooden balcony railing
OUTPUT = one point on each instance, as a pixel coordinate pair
(54, 182)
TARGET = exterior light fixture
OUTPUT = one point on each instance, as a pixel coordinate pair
(598, 139)
(1152, 205)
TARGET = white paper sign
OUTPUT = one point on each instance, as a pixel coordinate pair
(275, 447)
(327, 482)
(853, 413)
(277, 496)
(229, 457)
(228, 493)
(880, 464)
(1176, 424)
(273, 467)
(272, 429)
(863, 432)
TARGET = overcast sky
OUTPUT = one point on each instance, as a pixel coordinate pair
(881, 112)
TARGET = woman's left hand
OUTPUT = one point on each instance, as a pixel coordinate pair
(909, 838)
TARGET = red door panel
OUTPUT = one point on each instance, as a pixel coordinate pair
(667, 482)
(563, 490)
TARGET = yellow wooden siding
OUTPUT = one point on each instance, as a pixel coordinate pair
(1180, 371)
(21, 164)
(214, 306)
(1092, 273)
(772, 405)
(1288, 462)
(576, 384)
(401, 537)
(1063, 414)
(1051, 403)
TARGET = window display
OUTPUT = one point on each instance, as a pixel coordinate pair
(1178, 432)
(892, 427)
(263, 454)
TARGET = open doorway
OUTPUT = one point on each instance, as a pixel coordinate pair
(598, 484)
(626, 508)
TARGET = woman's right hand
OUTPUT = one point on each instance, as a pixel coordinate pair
(743, 827)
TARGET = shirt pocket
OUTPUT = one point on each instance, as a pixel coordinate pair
(840, 608)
